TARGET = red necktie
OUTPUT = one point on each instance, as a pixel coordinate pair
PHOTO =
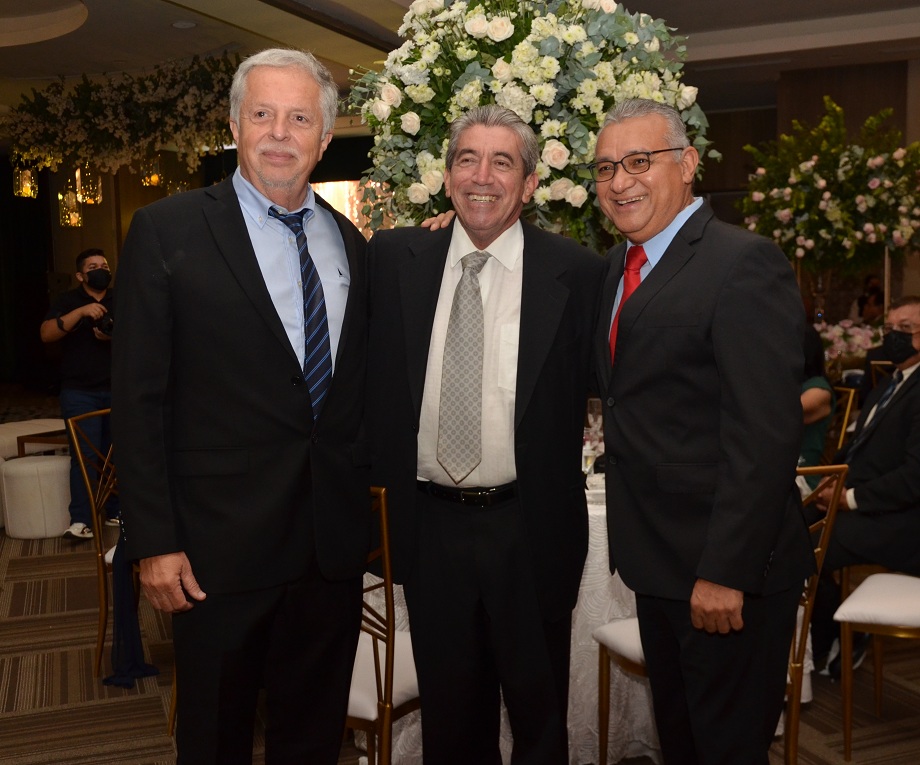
(635, 259)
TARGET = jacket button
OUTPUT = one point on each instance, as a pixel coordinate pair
(611, 401)
(611, 460)
(297, 380)
(314, 438)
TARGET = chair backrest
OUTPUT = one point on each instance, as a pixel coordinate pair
(97, 469)
(833, 476)
(843, 412)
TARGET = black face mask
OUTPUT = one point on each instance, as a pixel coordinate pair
(97, 279)
(898, 347)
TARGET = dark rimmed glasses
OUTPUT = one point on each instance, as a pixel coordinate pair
(635, 164)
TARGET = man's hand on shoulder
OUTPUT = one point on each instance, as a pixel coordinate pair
(168, 582)
(716, 608)
(441, 220)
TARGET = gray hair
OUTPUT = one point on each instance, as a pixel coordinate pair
(493, 115)
(676, 133)
(284, 58)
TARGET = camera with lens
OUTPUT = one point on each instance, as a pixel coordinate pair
(104, 324)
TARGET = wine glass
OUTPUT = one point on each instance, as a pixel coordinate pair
(595, 415)
(588, 451)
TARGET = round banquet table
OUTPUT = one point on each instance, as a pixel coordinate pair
(601, 598)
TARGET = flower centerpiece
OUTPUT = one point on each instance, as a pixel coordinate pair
(829, 203)
(559, 64)
(846, 343)
(118, 122)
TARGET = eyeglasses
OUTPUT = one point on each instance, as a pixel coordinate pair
(635, 164)
(904, 326)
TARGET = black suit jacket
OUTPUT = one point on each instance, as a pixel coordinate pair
(702, 416)
(885, 473)
(216, 450)
(561, 283)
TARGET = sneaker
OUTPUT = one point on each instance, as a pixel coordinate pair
(832, 655)
(860, 647)
(113, 521)
(78, 531)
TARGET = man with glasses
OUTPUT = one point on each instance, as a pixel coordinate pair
(699, 365)
(883, 484)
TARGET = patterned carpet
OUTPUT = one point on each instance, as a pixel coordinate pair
(54, 712)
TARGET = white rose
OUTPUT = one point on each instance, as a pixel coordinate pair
(653, 45)
(477, 26)
(418, 193)
(591, 5)
(577, 196)
(433, 180)
(380, 110)
(608, 6)
(426, 6)
(687, 97)
(390, 94)
(410, 123)
(501, 70)
(559, 188)
(500, 28)
(555, 154)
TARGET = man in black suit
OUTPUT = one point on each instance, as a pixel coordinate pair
(490, 542)
(702, 426)
(883, 483)
(237, 428)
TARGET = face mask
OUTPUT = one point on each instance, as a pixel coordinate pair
(898, 347)
(97, 279)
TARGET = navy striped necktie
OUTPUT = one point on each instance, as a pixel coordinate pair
(883, 401)
(317, 363)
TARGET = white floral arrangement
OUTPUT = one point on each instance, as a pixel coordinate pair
(558, 65)
(848, 338)
(124, 121)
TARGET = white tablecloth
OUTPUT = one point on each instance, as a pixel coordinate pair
(601, 598)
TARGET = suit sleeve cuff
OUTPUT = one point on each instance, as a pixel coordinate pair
(851, 499)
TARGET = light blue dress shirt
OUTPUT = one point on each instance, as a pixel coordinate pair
(276, 251)
(656, 246)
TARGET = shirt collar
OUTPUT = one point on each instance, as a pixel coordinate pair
(256, 206)
(905, 373)
(506, 249)
(655, 247)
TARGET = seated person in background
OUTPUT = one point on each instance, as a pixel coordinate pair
(817, 400)
(871, 307)
(872, 281)
(883, 485)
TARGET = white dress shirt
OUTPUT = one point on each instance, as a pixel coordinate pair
(500, 283)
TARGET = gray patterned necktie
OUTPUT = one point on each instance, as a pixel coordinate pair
(460, 413)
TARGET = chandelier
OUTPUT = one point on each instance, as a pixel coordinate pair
(88, 185)
(70, 209)
(25, 183)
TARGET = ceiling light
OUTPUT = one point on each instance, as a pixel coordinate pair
(184, 24)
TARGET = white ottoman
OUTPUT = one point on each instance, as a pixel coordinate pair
(10, 430)
(35, 496)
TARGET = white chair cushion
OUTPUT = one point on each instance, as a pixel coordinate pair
(10, 430)
(622, 637)
(362, 699)
(890, 599)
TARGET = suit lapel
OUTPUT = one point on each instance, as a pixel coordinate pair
(355, 270)
(675, 257)
(228, 228)
(419, 286)
(543, 301)
(896, 401)
(617, 258)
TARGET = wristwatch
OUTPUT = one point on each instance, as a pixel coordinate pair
(60, 323)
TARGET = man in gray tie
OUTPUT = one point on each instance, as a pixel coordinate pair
(478, 362)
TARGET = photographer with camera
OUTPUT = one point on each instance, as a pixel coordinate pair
(81, 319)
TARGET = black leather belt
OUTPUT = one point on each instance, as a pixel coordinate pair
(477, 496)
